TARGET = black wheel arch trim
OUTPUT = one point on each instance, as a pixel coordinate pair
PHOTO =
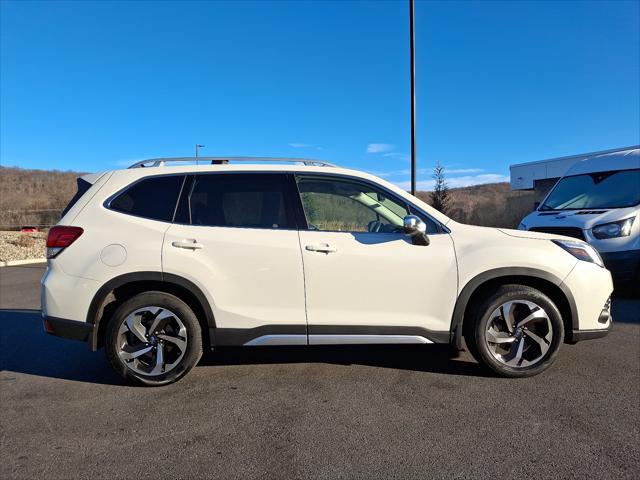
(494, 274)
(153, 276)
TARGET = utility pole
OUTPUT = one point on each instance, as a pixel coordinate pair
(412, 49)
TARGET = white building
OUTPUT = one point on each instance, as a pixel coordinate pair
(541, 175)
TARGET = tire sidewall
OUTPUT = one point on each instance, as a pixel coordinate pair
(510, 294)
(186, 315)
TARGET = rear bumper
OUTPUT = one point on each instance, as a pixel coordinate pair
(70, 329)
(624, 266)
(66, 296)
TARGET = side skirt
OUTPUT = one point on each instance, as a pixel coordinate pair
(325, 335)
(366, 339)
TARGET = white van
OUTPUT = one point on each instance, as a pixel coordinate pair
(598, 200)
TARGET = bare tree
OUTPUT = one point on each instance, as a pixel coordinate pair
(440, 199)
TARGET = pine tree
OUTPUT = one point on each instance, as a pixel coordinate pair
(440, 199)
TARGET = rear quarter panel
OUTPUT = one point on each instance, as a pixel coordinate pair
(113, 243)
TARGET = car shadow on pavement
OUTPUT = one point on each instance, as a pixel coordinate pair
(26, 348)
(419, 358)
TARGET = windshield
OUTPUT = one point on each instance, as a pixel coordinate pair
(595, 190)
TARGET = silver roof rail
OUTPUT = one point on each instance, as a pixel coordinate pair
(160, 162)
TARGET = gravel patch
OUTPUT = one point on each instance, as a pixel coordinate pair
(22, 246)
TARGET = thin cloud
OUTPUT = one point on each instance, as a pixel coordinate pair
(397, 156)
(455, 171)
(379, 147)
(428, 171)
(403, 173)
(305, 145)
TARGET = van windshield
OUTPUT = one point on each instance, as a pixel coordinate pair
(617, 189)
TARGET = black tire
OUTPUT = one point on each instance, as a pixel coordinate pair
(480, 313)
(190, 356)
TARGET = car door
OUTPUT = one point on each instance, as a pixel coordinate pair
(235, 237)
(365, 281)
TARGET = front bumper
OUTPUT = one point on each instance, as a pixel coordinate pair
(605, 319)
(580, 335)
(624, 266)
(70, 329)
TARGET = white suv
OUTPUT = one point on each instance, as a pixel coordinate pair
(158, 263)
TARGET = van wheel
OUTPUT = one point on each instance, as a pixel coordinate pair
(153, 339)
(516, 332)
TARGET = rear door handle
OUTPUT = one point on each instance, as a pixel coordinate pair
(189, 244)
(323, 248)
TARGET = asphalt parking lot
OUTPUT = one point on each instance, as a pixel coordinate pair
(325, 412)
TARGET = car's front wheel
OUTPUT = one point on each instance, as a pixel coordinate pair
(516, 331)
(153, 339)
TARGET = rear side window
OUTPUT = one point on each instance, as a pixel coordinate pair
(154, 198)
(241, 200)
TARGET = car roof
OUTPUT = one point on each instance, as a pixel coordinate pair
(621, 160)
(158, 162)
(263, 165)
(246, 167)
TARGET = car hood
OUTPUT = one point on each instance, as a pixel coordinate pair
(528, 234)
(584, 219)
(476, 231)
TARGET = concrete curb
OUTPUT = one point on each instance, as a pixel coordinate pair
(15, 263)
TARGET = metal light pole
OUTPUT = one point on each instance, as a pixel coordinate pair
(198, 146)
(412, 49)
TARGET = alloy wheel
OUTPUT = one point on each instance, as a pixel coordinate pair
(519, 333)
(152, 341)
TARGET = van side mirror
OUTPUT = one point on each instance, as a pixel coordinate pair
(416, 229)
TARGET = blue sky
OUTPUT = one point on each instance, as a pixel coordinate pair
(97, 85)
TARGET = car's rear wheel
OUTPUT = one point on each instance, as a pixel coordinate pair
(153, 339)
(516, 331)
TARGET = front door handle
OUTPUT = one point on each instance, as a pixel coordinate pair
(189, 244)
(323, 248)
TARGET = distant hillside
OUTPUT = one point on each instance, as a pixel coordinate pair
(490, 205)
(22, 191)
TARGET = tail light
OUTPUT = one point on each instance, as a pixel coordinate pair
(60, 237)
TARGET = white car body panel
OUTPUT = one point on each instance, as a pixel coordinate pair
(251, 277)
(593, 286)
(66, 296)
(379, 279)
(480, 249)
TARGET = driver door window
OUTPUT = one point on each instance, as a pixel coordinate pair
(342, 205)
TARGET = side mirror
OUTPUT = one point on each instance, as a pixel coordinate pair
(416, 229)
(536, 205)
